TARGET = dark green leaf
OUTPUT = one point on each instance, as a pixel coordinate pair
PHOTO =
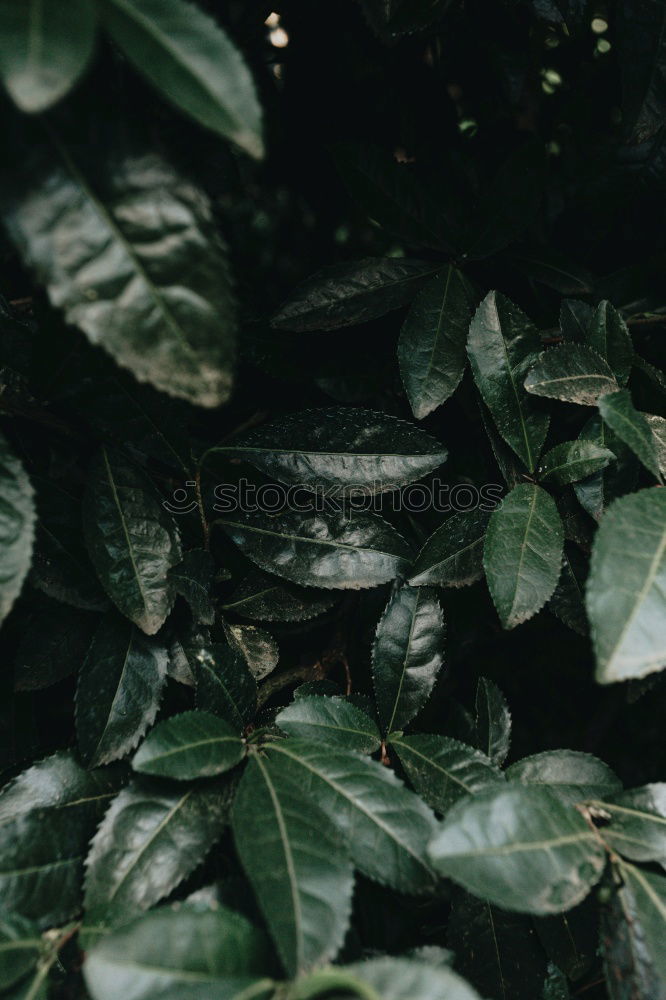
(165, 311)
(17, 527)
(502, 344)
(608, 335)
(572, 939)
(493, 721)
(453, 555)
(267, 598)
(658, 428)
(573, 460)
(568, 600)
(301, 874)
(180, 954)
(387, 978)
(498, 952)
(20, 948)
(628, 622)
(152, 836)
(133, 542)
(339, 449)
(257, 647)
(119, 690)
(443, 770)
(627, 945)
(521, 848)
(53, 645)
(554, 270)
(575, 319)
(190, 59)
(619, 477)
(44, 49)
(350, 293)
(386, 827)
(572, 775)
(431, 349)
(619, 413)
(636, 822)
(224, 684)
(191, 745)
(346, 551)
(523, 553)
(61, 567)
(643, 898)
(407, 655)
(192, 578)
(508, 203)
(572, 373)
(641, 33)
(47, 816)
(330, 720)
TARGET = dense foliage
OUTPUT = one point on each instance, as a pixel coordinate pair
(332, 532)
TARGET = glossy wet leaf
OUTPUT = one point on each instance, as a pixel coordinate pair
(628, 622)
(152, 836)
(572, 775)
(607, 334)
(261, 597)
(47, 816)
(257, 647)
(522, 553)
(636, 822)
(44, 49)
(385, 826)
(179, 953)
(521, 848)
(20, 948)
(118, 691)
(443, 770)
(164, 311)
(431, 349)
(353, 292)
(334, 721)
(300, 872)
(498, 952)
(493, 721)
(224, 684)
(387, 978)
(632, 427)
(132, 541)
(572, 461)
(187, 746)
(339, 449)
(502, 344)
(407, 655)
(453, 555)
(192, 578)
(572, 373)
(346, 551)
(192, 62)
(17, 520)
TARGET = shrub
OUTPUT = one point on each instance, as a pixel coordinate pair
(332, 529)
